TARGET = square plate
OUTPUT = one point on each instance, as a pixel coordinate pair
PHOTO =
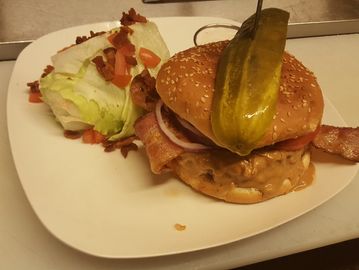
(108, 206)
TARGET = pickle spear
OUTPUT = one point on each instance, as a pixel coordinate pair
(247, 81)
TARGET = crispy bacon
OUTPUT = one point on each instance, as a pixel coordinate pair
(81, 39)
(104, 68)
(47, 70)
(143, 91)
(131, 60)
(343, 141)
(132, 17)
(110, 55)
(112, 145)
(34, 86)
(71, 134)
(160, 150)
(127, 148)
(121, 41)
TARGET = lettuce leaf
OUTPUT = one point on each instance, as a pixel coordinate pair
(80, 98)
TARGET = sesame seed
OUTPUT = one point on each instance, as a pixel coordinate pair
(203, 99)
(312, 85)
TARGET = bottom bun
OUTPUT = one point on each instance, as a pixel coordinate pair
(260, 176)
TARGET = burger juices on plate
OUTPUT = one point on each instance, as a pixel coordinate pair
(179, 132)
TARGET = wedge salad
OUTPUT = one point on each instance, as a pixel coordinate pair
(87, 86)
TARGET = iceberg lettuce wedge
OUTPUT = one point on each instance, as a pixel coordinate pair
(81, 98)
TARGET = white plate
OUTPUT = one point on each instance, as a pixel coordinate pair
(108, 206)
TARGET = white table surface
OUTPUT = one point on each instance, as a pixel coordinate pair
(26, 244)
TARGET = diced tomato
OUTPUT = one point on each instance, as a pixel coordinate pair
(98, 137)
(297, 143)
(92, 136)
(87, 136)
(121, 80)
(122, 75)
(149, 58)
(35, 97)
(120, 64)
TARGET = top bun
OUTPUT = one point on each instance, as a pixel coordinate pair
(186, 85)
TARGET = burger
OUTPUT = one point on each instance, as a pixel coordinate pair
(178, 136)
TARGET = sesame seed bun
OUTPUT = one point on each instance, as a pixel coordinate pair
(186, 85)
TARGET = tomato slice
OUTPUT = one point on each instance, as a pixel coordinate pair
(149, 58)
(297, 143)
(35, 97)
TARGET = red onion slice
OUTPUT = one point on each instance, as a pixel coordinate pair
(173, 138)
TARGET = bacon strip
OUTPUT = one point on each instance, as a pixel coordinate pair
(160, 150)
(343, 141)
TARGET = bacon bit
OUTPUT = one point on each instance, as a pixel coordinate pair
(121, 41)
(127, 148)
(111, 37)
(128, 49)
(47, 71)
(104, 68)
(143, 91)
(131, 60)
(180, 227)
(81, 39)
(127, 29)
(132, 17)
(34, 92)
(125, 145)
(112, 145)
(110, 55)
(70, 134)
(34, 86)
